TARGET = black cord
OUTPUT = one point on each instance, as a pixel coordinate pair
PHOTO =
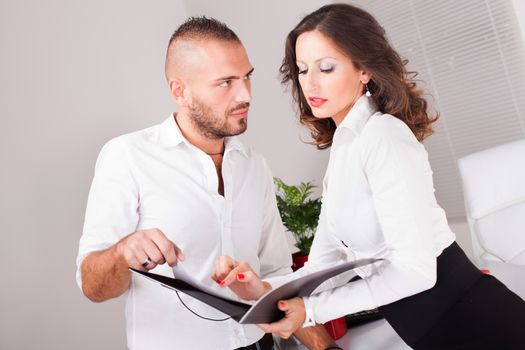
(196, 314)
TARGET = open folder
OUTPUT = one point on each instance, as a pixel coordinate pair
(264, 310)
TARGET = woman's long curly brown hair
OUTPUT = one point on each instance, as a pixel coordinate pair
(362, 38)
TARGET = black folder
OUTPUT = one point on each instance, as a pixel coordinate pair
(264, 310)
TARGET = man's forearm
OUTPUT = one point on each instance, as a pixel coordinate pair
(105, 275)
(315, 338)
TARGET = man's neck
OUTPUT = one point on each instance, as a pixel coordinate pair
(195, 137)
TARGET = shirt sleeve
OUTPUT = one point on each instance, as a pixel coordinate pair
(274, 255)
(400, 180)
(112, 207)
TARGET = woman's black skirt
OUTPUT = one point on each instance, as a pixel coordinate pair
(464, 310)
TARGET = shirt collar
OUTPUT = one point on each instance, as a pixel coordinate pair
(233, 143)
(358, 115)
(171, 136)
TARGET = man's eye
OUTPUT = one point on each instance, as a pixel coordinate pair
(225, 83)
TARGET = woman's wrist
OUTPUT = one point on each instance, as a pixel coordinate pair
(266, 288)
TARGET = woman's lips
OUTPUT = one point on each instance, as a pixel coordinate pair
(316, 101)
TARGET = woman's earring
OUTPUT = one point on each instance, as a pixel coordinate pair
(367, 93)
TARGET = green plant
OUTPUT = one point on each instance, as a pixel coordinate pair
(299, 213)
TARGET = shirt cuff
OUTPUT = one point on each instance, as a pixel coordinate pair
(309, 317)
(338, 302)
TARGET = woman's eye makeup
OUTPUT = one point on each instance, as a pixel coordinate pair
(326, 68)
(301, 69)
(323, 67)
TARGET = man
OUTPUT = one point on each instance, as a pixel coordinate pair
(186, 190)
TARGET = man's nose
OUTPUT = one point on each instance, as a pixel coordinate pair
(244, 91)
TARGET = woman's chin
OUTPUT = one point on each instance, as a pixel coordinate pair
(321, 115)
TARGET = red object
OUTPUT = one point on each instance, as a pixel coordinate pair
(298, 260)
(240, 276)
(486, 272)
(336, 328)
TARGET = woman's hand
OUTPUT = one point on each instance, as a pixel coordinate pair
(295, 315)
(240, 278)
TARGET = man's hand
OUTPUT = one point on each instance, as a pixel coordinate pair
(105, 274)
(240, 278)
(144, 250)
(294, 317)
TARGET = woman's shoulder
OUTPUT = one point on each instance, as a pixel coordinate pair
(382, 126)
(383, 130)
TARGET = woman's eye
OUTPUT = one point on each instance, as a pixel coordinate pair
(302, 68)
(328, 69)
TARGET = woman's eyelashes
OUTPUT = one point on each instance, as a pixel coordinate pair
(302, 69)
(325, 68)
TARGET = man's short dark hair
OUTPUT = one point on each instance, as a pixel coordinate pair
(197, 29)
(202, 27)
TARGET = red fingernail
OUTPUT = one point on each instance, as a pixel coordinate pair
(281, 304)
(221, 283)
(486, 272)
(240, 276)
(218, 282)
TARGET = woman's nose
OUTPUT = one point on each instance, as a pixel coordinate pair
(311, 83)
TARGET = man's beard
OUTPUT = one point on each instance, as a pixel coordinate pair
(214, 126)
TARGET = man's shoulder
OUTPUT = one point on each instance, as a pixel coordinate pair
(143, 135)
(125, 144)
(135, 138)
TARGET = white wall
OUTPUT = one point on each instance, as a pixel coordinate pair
(73, 74)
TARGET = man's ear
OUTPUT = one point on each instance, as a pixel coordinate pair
(178, 91)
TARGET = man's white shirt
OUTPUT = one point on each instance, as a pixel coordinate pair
(155, 178)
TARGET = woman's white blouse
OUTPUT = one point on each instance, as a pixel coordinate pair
(378, 202)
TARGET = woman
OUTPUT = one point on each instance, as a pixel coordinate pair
(356, 96)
